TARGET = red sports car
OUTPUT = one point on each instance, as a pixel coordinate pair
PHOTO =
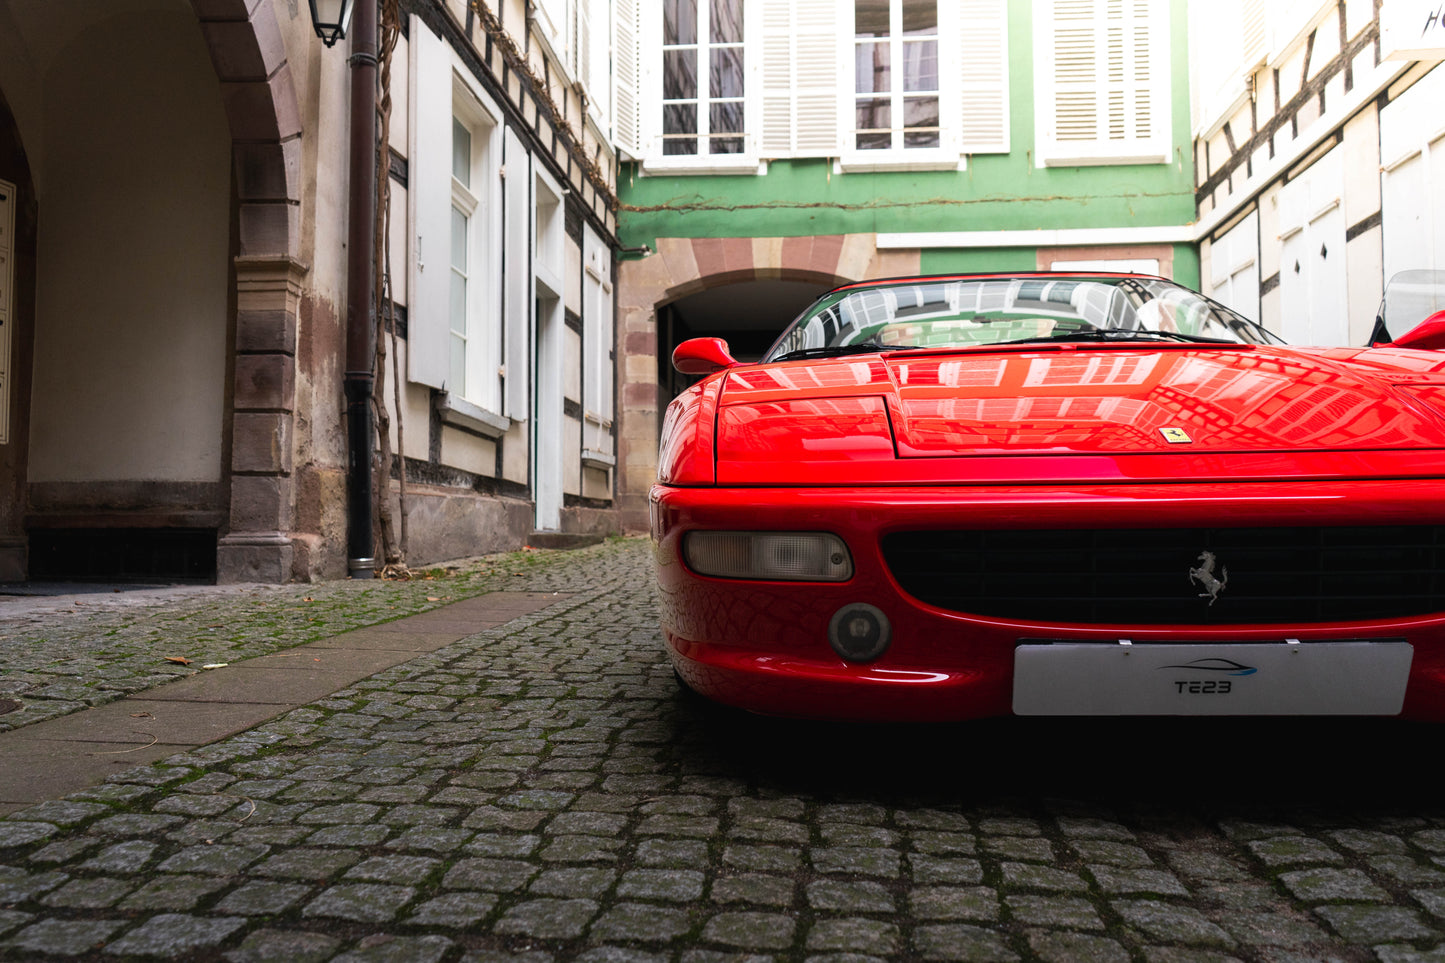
(1055, 494)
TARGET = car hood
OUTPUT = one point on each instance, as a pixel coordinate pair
(1088, 402)
(1095, 401)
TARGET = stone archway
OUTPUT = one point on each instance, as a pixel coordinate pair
(683, 266)
(262, 109)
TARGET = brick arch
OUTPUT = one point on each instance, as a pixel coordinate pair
(258, 541)
(683, 266)
(259, 96)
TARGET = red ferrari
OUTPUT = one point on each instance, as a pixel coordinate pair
(951, 497)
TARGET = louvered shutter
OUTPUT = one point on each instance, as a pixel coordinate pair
(1076, 72)
(984, 127)
(1132, 91)
(626, 70)
(800, 78)
(428, 348)
(1256, 34)
(1106, 78)
(517, 282)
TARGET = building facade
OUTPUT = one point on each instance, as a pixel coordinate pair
(781, 149)
(173, 208)
(1320, 157)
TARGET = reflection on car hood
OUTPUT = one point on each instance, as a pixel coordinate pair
(1115, 399)
(1139, 400)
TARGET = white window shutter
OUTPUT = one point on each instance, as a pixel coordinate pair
(595, 73)
(430, 181)
(983, 74)
(598, 346)
(626, 76)
(1076, 71)
(583, 43)
(517, 280)
(1256, 34)
(799, 78)
(1103, 79)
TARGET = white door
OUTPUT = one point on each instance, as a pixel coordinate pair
(1412, 182)
(1313, 306)
(1234, 268)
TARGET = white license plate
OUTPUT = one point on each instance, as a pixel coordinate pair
(1211, 679)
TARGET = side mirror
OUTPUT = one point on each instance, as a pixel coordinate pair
(1428, 334)
(702, 356)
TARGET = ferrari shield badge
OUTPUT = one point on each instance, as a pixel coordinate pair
(1175, 436)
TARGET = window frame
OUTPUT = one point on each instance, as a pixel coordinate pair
(482, 361)
(654, 103)
(946, 156)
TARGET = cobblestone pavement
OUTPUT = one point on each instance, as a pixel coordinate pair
(542, 791)
(60, 655)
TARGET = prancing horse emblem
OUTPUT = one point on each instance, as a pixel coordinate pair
(1204, 575)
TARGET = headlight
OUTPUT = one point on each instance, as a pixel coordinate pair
(789, 556)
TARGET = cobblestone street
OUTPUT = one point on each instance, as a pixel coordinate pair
(542, 791)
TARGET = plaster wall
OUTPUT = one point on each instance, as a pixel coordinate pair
(130, 352)
(468, 452)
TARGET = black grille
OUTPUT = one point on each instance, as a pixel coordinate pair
(1142, 576)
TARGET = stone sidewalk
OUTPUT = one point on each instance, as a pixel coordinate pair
(538, 789)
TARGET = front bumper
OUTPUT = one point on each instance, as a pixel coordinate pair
(763, 646)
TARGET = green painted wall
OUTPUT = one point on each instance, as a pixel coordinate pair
(952, 260)
(996, 192)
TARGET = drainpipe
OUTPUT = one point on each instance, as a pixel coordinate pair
(360, 331)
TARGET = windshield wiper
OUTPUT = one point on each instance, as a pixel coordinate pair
(839, 350)
(1120, 334)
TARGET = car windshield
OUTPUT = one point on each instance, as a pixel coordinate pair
(979, 311)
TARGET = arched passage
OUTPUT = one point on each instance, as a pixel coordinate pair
(163, 165)
(682, 268)
(749, 315)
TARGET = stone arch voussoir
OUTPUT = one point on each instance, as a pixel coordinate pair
(262, 109)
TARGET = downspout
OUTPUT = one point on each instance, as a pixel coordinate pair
(360, 331)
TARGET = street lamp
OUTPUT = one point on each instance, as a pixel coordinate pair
(330, 18)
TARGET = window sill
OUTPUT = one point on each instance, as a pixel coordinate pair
(673, 165)
(464, 414)
(862, 163)
(598, 459)
(1085, 160)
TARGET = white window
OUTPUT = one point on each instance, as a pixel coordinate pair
(567, 27)
(597, 353)
(455, 332)
(895, 75)
(874, 84)
(1102, 81)
(474, 341)
(703, 105)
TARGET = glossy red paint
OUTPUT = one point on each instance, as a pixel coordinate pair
(1428, 334)
(1016, 437)
(763, 645)
(702, 356)
(686, 448)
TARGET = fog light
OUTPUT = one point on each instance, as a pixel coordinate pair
(787, 556)
(859, 632)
